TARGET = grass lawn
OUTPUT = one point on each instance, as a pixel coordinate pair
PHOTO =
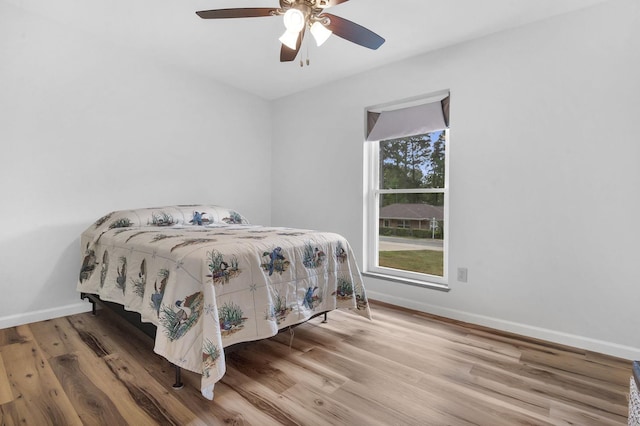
(423, 261)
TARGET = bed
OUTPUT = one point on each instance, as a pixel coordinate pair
(207, 279)
(634, 395)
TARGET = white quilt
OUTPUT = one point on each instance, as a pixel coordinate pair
(207, 279)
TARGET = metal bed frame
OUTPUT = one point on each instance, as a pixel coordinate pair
(150, 330)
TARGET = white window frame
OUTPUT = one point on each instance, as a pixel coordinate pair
(372, 194)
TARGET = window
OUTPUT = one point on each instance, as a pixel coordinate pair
(407, 195)
(403, 224)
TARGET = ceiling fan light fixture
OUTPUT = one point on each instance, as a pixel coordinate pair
(290, 39)
(320, 33)
(297, 16)
(294, 20)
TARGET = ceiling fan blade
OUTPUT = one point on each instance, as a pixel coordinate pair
(247, 12)
(329, 3)
(288, 55)
(353, 32)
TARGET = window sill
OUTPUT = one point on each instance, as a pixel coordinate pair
(417, 283)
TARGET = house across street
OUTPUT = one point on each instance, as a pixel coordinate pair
(410, 216)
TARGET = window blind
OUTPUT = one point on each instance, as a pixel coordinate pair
(414, 120)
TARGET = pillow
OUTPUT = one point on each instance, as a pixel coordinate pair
(180, 215)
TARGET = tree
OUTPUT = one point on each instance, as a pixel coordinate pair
(436, 175)
(413, 162)
(403, 163)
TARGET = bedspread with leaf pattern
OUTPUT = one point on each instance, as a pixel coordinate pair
(207, 279)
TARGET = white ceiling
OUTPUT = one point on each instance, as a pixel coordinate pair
(245, 52)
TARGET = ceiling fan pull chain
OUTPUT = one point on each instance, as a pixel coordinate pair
(305, 45)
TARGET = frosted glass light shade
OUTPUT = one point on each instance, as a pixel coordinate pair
(294, 20)
(320, 33)
(290, 39)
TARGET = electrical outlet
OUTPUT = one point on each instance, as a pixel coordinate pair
(462, 275)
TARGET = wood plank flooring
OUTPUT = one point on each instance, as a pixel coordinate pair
(402, 368)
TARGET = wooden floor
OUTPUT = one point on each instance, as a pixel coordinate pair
(401, 368)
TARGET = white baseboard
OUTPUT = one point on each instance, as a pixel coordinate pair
(613, 349)
(600, 346)
(44, 314)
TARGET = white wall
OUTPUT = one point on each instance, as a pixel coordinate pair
(544, 176)
(86, 128)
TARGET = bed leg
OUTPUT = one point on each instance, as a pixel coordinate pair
(178, 384)
(93, 302)
(324, 321)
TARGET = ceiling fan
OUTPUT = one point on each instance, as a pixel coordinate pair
(300, 15)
